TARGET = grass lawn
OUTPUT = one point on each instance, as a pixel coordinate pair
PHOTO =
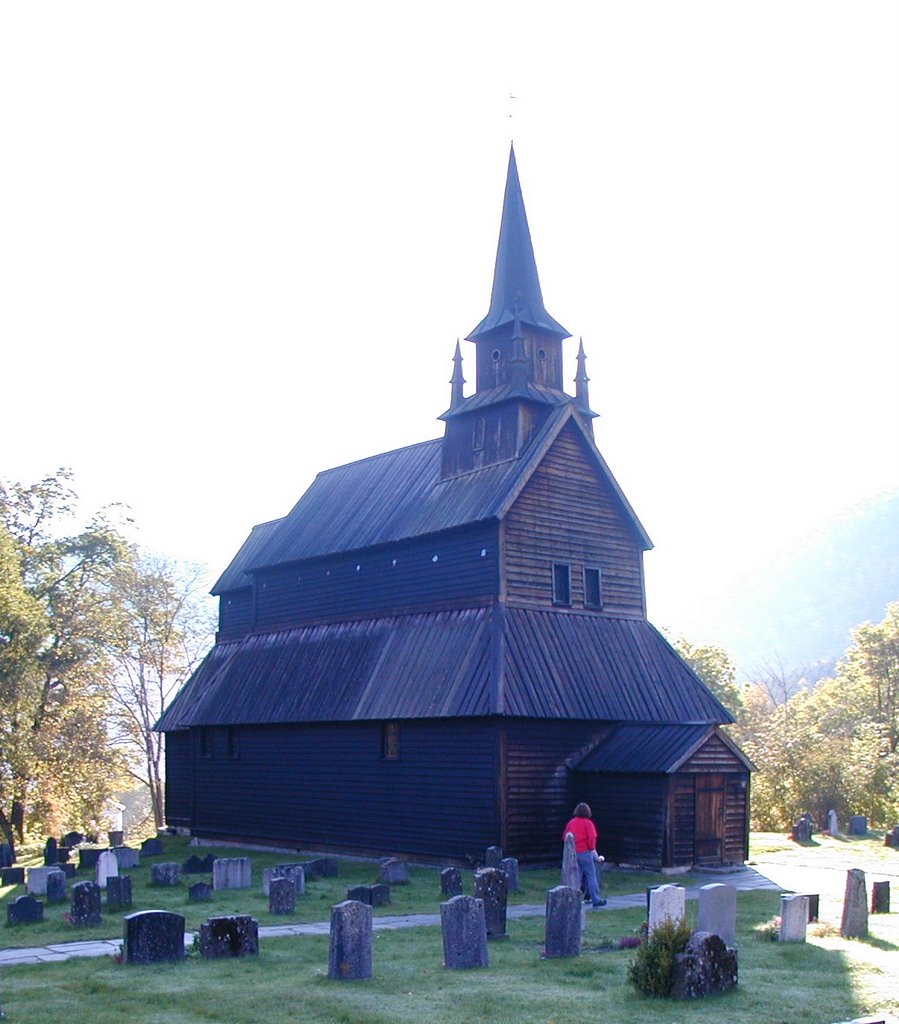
(825, 980)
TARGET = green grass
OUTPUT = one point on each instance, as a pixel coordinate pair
(824, 980)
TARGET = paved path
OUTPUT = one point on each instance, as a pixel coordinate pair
(744, 878)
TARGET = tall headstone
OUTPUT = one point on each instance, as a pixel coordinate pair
(24, 910)
(564, 911)
(854, 924)
(510, 866)
(349, 953)
(229, 936)
(393, 872)
(793, 918)
(232, 873)
(718, 911)
(450, 883)
(666, 903)
(282, 896)
(492, 886)
(880, 897)
(107, 865)
(50, 851)
(153, 936)
(6, 855)
(571, 871)
(85, 910)
(118, 892)
(464, 933)
(833, 823)
(493, 856)
(36, 883)
(165, 874)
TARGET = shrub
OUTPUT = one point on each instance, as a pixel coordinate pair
(652, 969)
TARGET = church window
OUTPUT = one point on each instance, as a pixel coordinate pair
(390, 741)
(477, 443)
(205, 741)
(561, 583)
(592, 587)
(233, 742)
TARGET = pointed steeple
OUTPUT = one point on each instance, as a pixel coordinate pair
(457, 381)
(581, 387)
(516, 287)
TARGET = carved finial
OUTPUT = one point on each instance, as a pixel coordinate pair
(457, 381)
(581, 382)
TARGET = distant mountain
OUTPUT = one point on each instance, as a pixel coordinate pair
(799, 610)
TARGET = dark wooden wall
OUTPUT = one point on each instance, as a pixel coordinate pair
(451, 569)
(630, 812)
(328, 787)
(178, 779)
(565, 514)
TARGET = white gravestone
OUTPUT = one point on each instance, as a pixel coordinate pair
(793, 918)
(667, 902)
(718, 911)
(107, 866)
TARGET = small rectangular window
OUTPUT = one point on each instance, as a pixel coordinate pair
(592, 587)
(477, 443)
(390, 741)
(233, 742)
(561, 583)
(205, 741)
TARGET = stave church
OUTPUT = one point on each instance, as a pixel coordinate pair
(445, 647)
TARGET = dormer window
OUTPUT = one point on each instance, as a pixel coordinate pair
(561, 583)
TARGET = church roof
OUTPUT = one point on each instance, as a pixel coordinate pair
(652, 748)
(474, 662)
(397, 496)
(516, 293)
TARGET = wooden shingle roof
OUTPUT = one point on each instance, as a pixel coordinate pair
(474, 662)
(654, 749)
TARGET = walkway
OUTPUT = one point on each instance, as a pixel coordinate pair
(744, 878)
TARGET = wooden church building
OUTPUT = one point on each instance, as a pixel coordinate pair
(445, 647)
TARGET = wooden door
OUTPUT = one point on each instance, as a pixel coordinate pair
(708, 842)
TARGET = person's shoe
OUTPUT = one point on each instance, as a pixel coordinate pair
(600, 903)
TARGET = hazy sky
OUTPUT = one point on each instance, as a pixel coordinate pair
(238, 243)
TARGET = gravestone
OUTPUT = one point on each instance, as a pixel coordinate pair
(107, 865)
(232, 873)
(803, 829)
(56, 887)
(116, 838)
(718, 911)
(377, 895)
(36, 879)
(6, 855)
(12, 876)
(892, 837)
(667, 902)
(322, 867)
(195, 865)
(85, 910)
(50, 851)
(833, 823)
(858, 825)
(450, 882)
(571, 870)
(282, 896)
(493, 856)
(88, 857)
(153, 936)
(706, 967)
(814, 901)
(200, 892)
(63, 853)
(152, 847)
(393, 872)
(24, 910)
(229, 936)
(510, 866)
(349, 953)
(854, 924)
(69, 870)
(464, 933)
(563, 922)
(793, 918)
(71, 839)
(165, 874)
(492, 886)
(880, 897)
(126, 857)
(295, 872)
(118, 892)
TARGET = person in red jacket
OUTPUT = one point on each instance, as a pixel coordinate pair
(585, 836)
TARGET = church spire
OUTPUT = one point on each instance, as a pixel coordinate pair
(457, 381)
(516, 287)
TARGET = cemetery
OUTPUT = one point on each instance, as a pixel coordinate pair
(474, 957)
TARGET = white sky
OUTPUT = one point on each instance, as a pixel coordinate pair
(239, 241)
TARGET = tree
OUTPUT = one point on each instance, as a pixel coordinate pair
(56, 603)
(714, 667)
(162, 628)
